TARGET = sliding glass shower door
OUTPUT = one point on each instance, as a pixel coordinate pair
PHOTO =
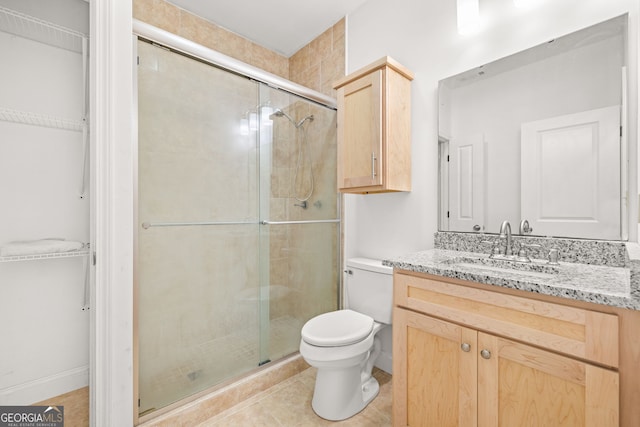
(238, 224)
(300, 229)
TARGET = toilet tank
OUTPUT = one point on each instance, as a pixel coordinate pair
(369, 288)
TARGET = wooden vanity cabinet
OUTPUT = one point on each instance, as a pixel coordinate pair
(467, 357)
(374, 129)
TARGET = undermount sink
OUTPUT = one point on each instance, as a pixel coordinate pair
(533, 268)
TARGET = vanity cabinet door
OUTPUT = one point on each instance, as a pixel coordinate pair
(521, 385)
(434, 372)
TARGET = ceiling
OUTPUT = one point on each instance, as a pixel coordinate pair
(283, 26)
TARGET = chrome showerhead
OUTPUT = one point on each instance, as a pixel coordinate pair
(309, 117)
(279, 113)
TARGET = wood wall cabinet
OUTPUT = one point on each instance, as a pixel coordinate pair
(374, 129)
(467, 357)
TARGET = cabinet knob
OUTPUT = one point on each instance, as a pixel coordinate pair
(486, 354)
(466, 347)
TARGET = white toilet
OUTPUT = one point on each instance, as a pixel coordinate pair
(343, 344)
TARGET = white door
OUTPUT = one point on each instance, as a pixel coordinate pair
(570, 166)
(466, 183)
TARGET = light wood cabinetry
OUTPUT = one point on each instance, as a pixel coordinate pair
(374, 129)
(465, 356)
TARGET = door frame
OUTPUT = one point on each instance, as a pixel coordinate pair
(111, 160)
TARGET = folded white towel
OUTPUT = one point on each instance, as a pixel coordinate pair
(35, 247)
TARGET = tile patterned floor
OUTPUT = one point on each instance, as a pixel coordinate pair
(212, 362)
(288, 404)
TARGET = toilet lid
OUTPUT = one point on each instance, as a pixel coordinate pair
(337, 328)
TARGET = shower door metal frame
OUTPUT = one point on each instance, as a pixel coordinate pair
(146, 32)
(210, 56)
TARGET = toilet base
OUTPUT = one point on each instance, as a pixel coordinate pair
(341, 393)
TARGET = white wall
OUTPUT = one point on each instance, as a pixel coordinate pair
(422, 35)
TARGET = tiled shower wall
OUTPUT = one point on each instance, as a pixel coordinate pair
(321, 62)
(316, 66)
(178, 21)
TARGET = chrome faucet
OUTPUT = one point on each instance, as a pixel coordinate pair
(505, 233)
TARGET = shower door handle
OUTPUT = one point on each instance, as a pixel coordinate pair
(312, 221)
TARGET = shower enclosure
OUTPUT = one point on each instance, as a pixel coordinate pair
(238, 223)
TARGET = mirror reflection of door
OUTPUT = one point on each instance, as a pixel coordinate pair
(571, 174)
(466, 183)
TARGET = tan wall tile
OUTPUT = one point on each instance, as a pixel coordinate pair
(339, 32)
(315, 65)
(331, 69)
(321, 47)
(321, 62)
(299, 61)
(158, 13)
(185, 24)
(199, 30)
(269, 60)
(234, 46)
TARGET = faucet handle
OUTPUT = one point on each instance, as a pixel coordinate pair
(522, 252)
(495, 249)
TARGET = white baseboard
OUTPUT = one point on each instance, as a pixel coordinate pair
(45, 388)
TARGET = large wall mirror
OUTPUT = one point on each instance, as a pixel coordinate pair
(540, 135)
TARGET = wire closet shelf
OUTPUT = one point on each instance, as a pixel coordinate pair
(39, 30)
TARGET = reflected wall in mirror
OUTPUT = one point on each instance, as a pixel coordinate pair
(539, 135)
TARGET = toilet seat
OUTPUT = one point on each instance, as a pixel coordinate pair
(337, 328)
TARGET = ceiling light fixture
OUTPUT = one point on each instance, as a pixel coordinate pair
(468, 16)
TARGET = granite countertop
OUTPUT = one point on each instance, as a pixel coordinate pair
(617, 286)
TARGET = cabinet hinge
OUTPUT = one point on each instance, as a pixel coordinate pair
(447, 214)
(93, 257)
(137, 60)
(138, 403)
(620, 130)
(447, 157)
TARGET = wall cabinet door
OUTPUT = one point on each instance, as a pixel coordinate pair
(374, 129)
(360, 140)
(450, 375)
